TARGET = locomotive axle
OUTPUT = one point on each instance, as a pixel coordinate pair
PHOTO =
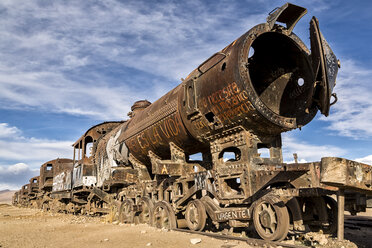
(227, 110)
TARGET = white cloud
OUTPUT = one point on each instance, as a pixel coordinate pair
(10, 186)
(16, 175)
(26, 155)
(17, 168)
(46, 50)
(365, 160)
(73, 61)
(50, 91)
(307, 152)
(55, 56)
(351, 116)
(7, 132)
(34, 151)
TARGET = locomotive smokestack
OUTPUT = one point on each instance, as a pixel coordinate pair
(138, 106)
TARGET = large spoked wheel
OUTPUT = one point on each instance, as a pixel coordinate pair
(195, 215)
(163, 216)
(271, 218)
(147, 207)
(126, 214)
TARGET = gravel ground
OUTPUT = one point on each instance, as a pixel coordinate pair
(24, 227)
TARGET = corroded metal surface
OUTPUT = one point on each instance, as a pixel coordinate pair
(228, 110)
(346, 173)
(47, 172)
(62, 179)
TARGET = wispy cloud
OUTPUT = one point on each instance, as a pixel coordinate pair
(52, 91)
(306, 151)
(366, 159)
(21, 157)
(351, 116)
(7, 131)
(58, 56)
(31, 151)
(16, 175)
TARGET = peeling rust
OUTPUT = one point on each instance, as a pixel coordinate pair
(228, 111)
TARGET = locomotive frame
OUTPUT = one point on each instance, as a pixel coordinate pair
(230, 107)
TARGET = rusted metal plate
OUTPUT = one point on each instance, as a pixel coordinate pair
(62, 181)
(153, 128)
(47, 172)
(233, 214)
(348, 174)
(237, 102)
(34, 185)
(84, 171)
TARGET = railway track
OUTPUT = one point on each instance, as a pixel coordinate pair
(351, 222)
(358, 222)
(250, 241)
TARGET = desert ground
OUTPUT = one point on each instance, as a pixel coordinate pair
(6, 196)
(24, 227)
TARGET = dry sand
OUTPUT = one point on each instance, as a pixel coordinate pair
(6, 196)
(23, 227)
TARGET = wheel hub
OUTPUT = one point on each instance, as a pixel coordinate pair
(265, 219)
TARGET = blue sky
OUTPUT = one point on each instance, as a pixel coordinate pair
(68, 65)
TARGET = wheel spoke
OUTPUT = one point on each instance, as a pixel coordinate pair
(273, 227)
(270, 220)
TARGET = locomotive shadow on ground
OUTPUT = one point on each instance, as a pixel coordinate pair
(360, 235)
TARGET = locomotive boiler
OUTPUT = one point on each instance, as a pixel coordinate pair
(234, 104)
(230, 108)
(266, 82)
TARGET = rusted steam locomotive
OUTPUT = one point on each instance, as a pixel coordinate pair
(232, 106)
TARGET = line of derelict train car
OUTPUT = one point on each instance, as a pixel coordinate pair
(235, 104)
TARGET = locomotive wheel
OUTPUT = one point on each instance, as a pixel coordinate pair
(295, 212)
(332, 210)
(33, 204)
(87, 207)
(329, 206)
(163, 216)
(70, 208)
(114, 211)
(55, 206)
(126, 214)
(146, 213)
(45, 206)
(195, 215)
(271, 218)
(83, 210)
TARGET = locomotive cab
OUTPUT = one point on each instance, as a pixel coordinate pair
(46, 176)
(84, 171)
(34, 186)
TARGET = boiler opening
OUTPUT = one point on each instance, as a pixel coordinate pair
(281, 75)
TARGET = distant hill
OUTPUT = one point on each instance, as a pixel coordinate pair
(6, 196)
